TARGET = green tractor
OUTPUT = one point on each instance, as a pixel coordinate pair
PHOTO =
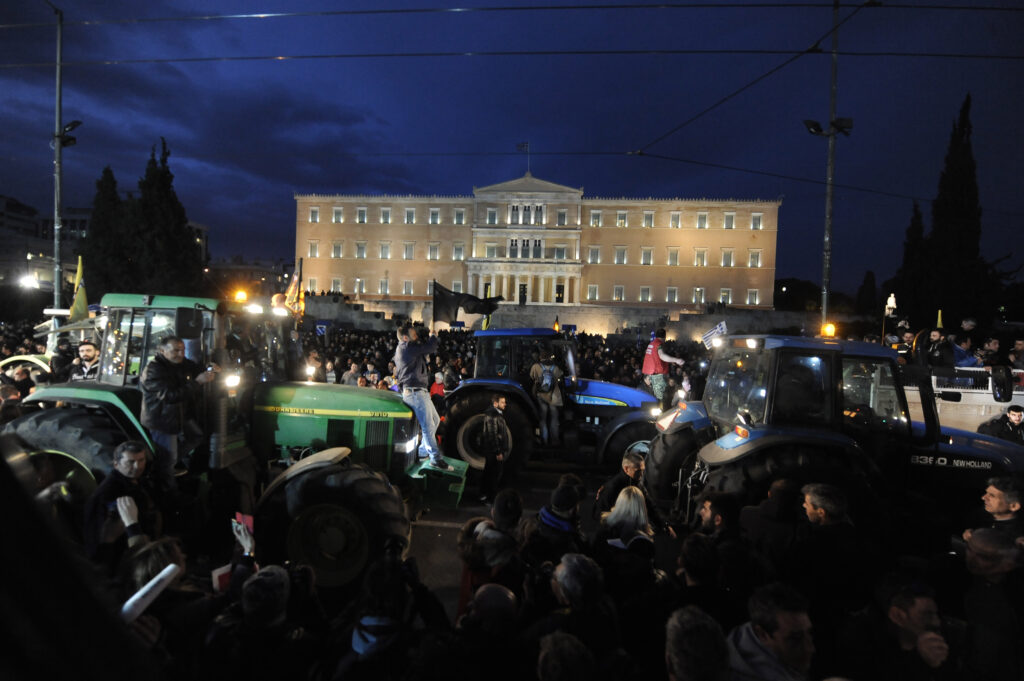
(325, 469)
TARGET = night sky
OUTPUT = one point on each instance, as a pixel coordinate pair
(584, 86)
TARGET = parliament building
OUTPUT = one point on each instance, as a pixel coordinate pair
(540, 243)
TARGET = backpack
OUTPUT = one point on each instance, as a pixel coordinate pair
(547, 379)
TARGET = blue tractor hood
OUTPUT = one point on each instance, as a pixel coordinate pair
(589, 391)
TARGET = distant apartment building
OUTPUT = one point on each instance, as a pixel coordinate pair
(540, 243)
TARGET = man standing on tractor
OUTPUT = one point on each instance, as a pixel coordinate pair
(412, 374)
(87, 365)
(547, 381)
(656, 362)
(170, 384)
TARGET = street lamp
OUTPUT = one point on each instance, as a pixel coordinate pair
(890, 310)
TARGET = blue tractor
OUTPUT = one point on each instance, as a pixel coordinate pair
(823, 410)
(612, 418)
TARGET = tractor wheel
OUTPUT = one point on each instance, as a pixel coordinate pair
(83, 436)
(466, 427)
(669, 454)
(636, 437)
(336, 519)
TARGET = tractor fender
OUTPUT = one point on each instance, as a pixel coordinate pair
(617, 424)
(512, 390)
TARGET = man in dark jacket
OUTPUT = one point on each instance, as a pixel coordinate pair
(937, 351)
(412, 375)
(170, 385)
(632, 474)
(87, 365)
(61, 362)
(1009, 426)
(497, 445)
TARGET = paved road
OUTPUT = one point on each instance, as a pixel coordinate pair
(435, 532)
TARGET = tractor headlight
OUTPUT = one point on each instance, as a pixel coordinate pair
(407, 447)
(655, 411)
(232, 380)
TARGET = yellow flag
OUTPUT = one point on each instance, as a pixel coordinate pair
(938, 322)
(79, 305)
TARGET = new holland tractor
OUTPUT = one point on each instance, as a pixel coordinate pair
(344, 457)
(823, 410)
(610, 417)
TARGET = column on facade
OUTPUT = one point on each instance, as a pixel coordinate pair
(504, 286)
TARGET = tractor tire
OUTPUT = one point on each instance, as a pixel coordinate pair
(336, 519)
(465, 427)
(671, 456)
(83, 436)
(636, 437)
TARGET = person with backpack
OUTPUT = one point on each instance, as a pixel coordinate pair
(547, 390)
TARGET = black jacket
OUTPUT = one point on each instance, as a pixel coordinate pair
(496, 437)
(1003, 429)
(168, 394)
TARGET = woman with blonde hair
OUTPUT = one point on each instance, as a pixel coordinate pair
(628, 516)
(624, 546)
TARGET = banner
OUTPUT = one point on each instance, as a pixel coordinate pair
(448, 302)
(79, 306)
(718, 329)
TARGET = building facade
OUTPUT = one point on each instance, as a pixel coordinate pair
(540, 243)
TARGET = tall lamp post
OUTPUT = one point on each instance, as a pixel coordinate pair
(836, 125)
(890, 310)
(61, 139)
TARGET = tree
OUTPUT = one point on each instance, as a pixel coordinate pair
(867, 295)
(141, 244)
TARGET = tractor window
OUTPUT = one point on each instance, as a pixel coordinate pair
(738, 383)
(803, 392)
(122, 346)
(493, 359)
(870, 396)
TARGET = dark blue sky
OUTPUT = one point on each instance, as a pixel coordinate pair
(245, 134)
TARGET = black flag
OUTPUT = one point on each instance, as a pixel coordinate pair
(448, 302)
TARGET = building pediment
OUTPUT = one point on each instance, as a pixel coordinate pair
(527, 184)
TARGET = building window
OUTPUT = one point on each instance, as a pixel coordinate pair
(435, 216)
(592, 292)
(336, 250)
(433, 250)
(671, 295)
(725, 296)
(410, 216)
(338, 215)
(620, 255)
(646, 255)
(513, 248)
(458, 251)
(700, 257)
(594, 255)
(361, 216)
(562, 217)
(755, 221)
(754, 259)
(618, 293)
(648, 218)
(673, 256)
(335, 285)
(674, 220)
(595, 218)
(698, 295)
(752, 296)
(559, 252)
(360, 286)
(525, 250)
(311, 282)
(385, 250)
(491, 251)
(460, 216)
(407, 288)
(430, 287)
(382, 288)
(457, 286)
(702, 220)
(527, 215)
(645, 294)
(314, 214)
(538, 249)
(730, 221)
(409, 250)
(727, 257)
(513, 215)
(314, 249)
(361, 250)
(492, 216)
(620, 219)
(385, 216)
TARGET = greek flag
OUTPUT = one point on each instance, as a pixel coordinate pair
(718, 329)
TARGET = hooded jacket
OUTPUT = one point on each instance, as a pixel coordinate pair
(751, 661)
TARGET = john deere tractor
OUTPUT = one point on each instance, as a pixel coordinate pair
(344, 455)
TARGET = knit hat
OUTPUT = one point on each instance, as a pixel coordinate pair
(507, 508)
(265, 595)
(564, 500)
